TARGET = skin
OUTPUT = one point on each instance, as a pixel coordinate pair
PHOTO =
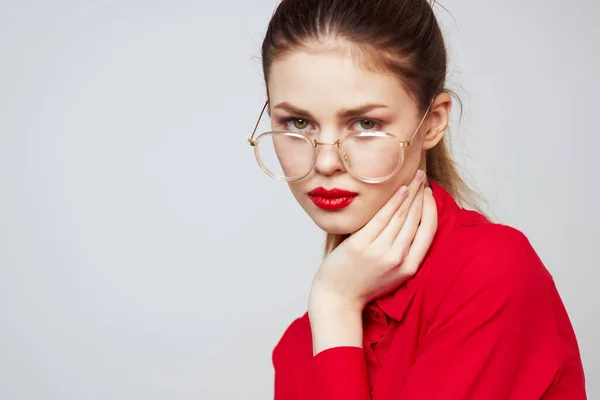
(392, 223)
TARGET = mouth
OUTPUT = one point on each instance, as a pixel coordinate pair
(331, 199)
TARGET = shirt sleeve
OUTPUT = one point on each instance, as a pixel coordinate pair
(284, 361)
(284, 379)
(494, 336)
(340, 373)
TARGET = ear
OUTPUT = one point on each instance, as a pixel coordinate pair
(439, 118)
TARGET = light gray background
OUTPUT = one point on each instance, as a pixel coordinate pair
(143, 255)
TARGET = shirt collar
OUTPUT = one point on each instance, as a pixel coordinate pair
(395, 304)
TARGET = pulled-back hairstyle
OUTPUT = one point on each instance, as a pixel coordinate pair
(398, 36)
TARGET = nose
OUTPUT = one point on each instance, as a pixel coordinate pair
(328, 159)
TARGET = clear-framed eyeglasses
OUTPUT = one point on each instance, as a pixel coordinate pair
(369, 156)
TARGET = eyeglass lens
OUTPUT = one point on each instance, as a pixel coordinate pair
(289, 156)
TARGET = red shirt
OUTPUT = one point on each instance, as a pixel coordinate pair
(482, 319)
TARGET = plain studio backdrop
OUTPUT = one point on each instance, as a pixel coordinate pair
(143, 254)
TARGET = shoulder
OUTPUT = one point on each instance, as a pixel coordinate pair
(492, 257)
(498, 251)
(295, 344)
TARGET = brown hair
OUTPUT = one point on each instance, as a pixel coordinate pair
(400, 36)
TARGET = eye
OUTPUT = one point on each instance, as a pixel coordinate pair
(295, 124)
(365, 124)
(299, 123)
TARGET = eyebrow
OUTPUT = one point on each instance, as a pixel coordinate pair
(343, 113)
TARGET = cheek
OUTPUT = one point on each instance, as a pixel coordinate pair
(381, 193)
(411, 163)
(413, 155)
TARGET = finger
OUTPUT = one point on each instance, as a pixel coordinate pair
(394, 226)
(405, 234)
(377, 224)
(423, 238)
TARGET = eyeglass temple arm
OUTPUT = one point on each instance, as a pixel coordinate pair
(251, 139)
(420, 123)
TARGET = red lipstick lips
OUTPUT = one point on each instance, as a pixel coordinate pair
(332, 199)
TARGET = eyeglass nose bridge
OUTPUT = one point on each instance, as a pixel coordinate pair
(336, 143)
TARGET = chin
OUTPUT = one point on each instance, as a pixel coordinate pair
(338, 223)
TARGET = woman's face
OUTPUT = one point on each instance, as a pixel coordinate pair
(312, 92)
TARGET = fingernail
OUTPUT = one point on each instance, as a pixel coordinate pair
(420, 176)
(403, 191)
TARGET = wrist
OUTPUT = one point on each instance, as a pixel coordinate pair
(335, 327)
(323, 301)
(333, 310)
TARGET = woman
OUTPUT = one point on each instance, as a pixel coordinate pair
(416, 297)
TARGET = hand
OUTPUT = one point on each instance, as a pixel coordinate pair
(379, 257)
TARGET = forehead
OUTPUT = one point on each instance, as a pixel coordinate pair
(328, 80)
